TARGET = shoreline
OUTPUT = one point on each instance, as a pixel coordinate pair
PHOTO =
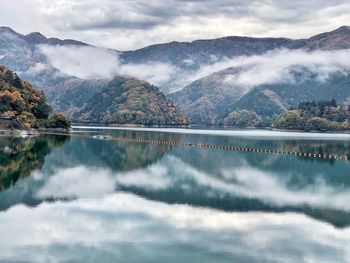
(200, 127)
(251, 132)
(247, 133)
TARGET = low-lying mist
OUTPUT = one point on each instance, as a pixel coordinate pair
(272, 67)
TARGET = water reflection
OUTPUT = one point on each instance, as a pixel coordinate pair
(125, 228)
(178, 203)
(231, 181)
(20, 157)
(116, 155)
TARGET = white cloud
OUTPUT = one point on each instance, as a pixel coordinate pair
(82, 62)
(153, 177)
(37, 68)
(271, 67)
(86, 182)
(277, 66)
(156, 73)
(99, 63)
(78, 182)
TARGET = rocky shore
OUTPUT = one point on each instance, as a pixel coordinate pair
(13, 127)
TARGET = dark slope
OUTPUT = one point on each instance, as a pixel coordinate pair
(127, 100)
(271, 100)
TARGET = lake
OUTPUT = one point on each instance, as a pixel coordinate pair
(140, 199)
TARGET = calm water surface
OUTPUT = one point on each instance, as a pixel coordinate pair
(74, 199)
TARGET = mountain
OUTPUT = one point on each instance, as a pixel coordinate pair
(210, 100)
(269, 100)
(21, 54)
(191, 55)
(188, 58)
(337, 39)
(71, 94)
(35, 38)
(126, 100)
(207, 99)
(19, 98)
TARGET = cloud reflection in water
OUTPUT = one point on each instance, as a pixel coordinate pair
(122, 223)
(172, 173)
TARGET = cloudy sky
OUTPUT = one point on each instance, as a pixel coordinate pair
(130, 24)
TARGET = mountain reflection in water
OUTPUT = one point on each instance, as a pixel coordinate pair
(136, 183)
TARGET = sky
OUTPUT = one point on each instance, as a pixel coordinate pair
(132, 24)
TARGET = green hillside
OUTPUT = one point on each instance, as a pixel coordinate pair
(315, 116)
(19, 99)
(127, 100)
(269, 101)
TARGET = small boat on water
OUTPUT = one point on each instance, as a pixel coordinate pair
(102, 137)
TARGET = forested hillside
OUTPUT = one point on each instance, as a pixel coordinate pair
(19, 99)
(315, 116)
(127, 100)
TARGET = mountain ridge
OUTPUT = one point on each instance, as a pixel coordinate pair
(292, 43)
(337, 30)
(39, 38)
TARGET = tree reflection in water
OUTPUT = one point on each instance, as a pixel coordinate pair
(20, 157)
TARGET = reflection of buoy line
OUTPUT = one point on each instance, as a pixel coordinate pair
(207, 146)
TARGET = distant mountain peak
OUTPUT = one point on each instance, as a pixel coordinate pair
(35, 37)
(8, 30)
(38, 38)
(343, 29)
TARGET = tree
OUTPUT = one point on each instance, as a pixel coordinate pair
(58, 120)
(242, 118)
(318, 124)
(333, 103)
(42, 110)
(321, 116)
(289, 120)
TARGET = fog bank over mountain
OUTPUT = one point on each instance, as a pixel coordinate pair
(271, 67)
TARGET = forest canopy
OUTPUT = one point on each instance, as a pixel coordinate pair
(18, 99)
(315, 116)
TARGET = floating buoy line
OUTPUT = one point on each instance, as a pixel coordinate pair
(204, 146)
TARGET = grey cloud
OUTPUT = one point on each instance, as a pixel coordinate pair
(148, 14)
(133, 15)
(137, 23)
(118, 23)
(141, 14)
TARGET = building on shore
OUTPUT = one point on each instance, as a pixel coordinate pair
(10, 126)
